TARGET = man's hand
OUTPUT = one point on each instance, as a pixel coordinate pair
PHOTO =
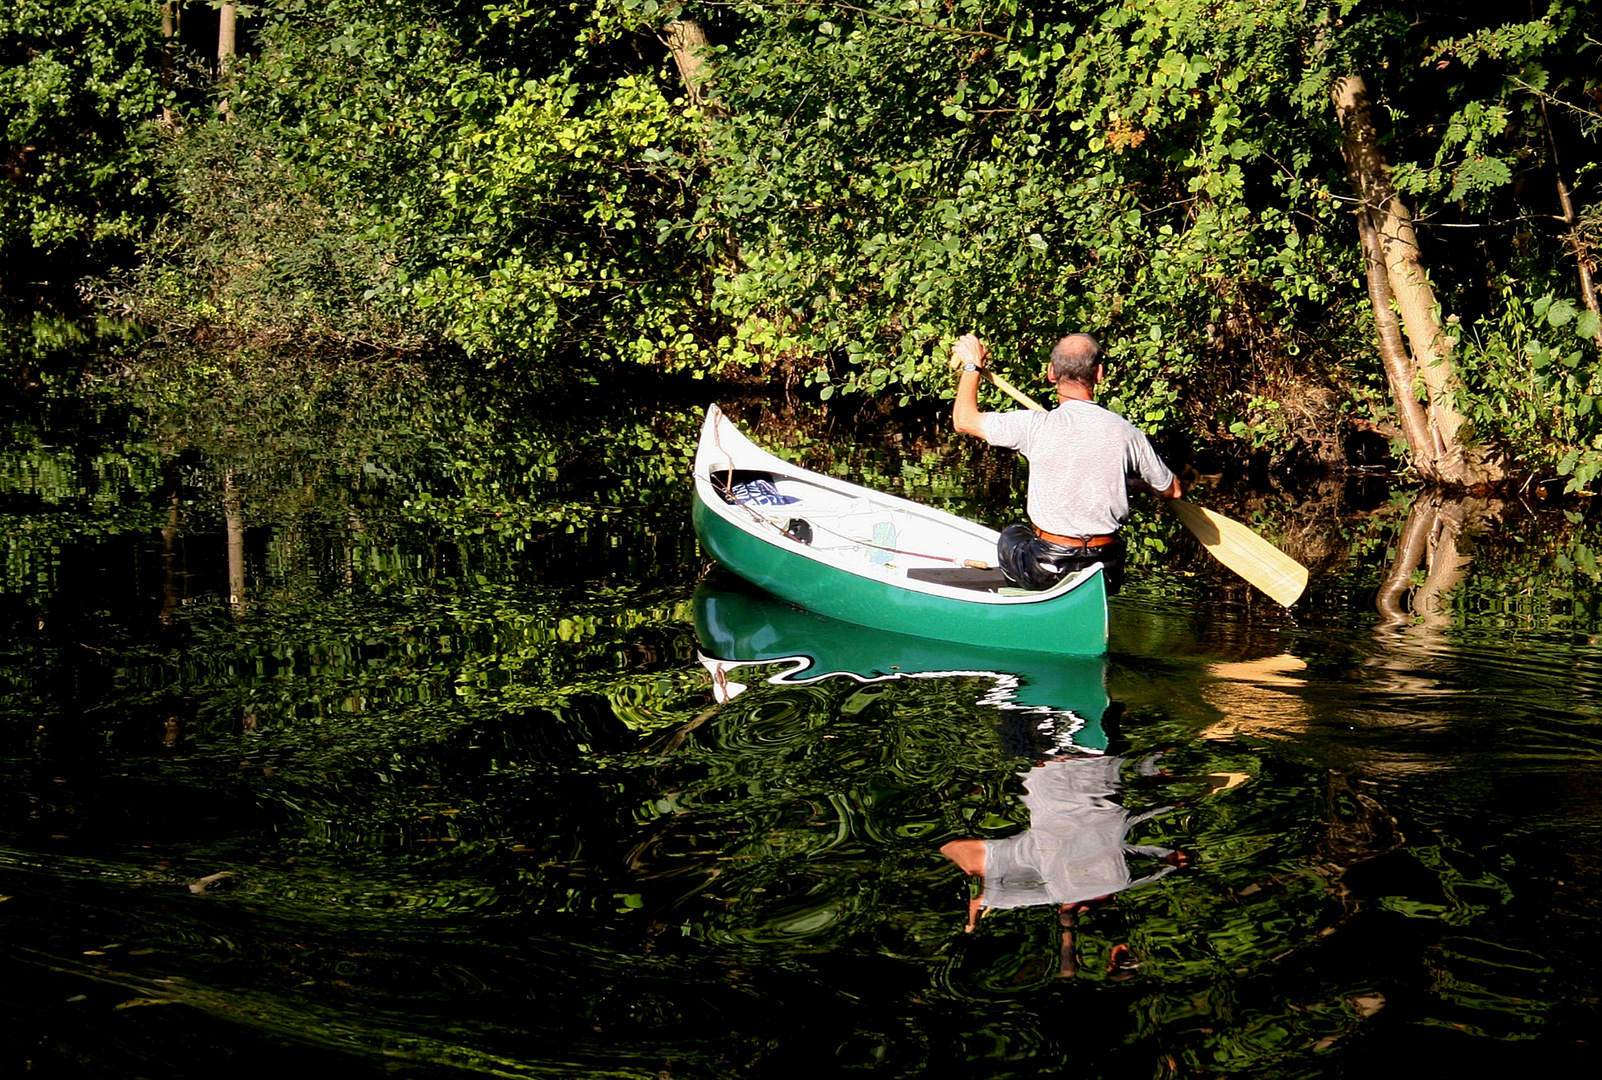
(965, 404)
(1172, 491)
(969, 350)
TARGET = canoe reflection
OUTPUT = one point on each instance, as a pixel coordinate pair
(1060, 699)
(1054, 715)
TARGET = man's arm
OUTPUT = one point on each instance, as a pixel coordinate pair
(968, 351)
(1145, 463)
(1172, 491)
(1141, 484)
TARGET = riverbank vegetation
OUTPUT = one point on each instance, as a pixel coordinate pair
(1295, 226)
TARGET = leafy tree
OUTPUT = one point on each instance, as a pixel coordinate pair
(80, 91)
(825, 193)
(895, 174)
(1473, 142)
(1165, 174)
(409, 171)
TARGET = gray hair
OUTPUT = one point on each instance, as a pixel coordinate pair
(1075, 358)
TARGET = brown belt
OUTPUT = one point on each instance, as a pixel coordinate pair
(1074, 541)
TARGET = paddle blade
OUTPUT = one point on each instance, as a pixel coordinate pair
(1278, 575)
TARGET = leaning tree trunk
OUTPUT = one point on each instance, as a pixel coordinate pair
(1398, 364)
(1578, 241)
(687, 42)
(1395, 244)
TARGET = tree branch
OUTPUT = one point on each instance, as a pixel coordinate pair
(858, 10)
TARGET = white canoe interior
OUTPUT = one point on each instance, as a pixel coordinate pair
(856, 528)
(865, 532)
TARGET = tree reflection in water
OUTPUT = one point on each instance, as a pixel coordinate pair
(413, 671)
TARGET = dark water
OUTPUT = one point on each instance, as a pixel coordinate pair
(364, 722)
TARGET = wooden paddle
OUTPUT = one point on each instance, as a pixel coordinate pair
(1279, 576)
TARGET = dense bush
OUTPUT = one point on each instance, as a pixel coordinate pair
(394, 175)
(536, 186)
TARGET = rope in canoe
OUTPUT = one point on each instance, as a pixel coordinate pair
(972, 563)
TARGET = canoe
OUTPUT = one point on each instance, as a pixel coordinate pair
(874, 559)
(1044, 698)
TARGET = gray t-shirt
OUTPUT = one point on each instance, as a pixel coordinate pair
(1079, 458)
(1075, 847)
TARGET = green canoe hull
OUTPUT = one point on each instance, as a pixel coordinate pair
(1070, 619)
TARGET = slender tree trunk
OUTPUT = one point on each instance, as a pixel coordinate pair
(234, 523)
(1391, 224)
(170, 14)
(1399, 371)
(227, 26)
(1577, 238)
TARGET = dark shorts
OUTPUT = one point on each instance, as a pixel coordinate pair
(1033, 563)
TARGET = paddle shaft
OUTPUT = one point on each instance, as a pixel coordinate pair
(1012, 391)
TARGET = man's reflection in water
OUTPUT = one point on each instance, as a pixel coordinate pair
(1075, 851)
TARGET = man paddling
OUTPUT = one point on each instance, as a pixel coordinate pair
(1083, 462)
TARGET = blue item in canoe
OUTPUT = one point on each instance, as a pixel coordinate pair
(761, 493)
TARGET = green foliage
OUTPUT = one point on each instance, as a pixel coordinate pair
(896, 174)
(387, 177)
(1484, 125)
(80, 90)
(1536, 384)
(254, 251)
(554, 210)
(533, 185)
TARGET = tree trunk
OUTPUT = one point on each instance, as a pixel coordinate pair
(234, 527)
(1399, 371)
(169, 35)
(1397, 246)
(1577, 237)
(227, 25)
(687, 42)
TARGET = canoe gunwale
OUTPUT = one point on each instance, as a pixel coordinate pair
(752, 458)
(845, 584)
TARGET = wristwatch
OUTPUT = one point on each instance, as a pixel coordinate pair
(970, 367)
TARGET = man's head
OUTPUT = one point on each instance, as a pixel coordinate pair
(1076, 358)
